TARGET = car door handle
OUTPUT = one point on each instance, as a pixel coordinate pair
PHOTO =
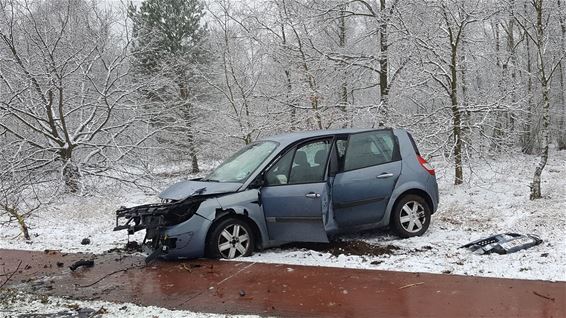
(385, 175)
(312, 195)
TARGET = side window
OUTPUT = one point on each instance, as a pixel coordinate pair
(370, 149)
(306, 164)
(279, 172)
(309, 163)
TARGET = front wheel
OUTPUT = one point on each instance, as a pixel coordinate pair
(411, 216)
(231, 238)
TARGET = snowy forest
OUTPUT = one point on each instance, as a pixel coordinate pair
(121, 90)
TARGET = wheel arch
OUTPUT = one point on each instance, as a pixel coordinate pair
(415, 191)
(223, 214)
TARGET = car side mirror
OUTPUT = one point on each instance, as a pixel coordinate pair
(258, 182)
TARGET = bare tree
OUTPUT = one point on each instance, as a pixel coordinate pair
(455, 17)
(301, 36)
(14, 205)
(65, 91)
(170, 49)
(561, 136)
(547, 63)
(501, 32)
(18, 183)
(240, 70)
(529, 135)
(379, 16)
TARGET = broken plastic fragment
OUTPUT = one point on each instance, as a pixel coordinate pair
(82, 262)
(504, 243)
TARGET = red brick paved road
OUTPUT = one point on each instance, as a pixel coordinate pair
(282, 290)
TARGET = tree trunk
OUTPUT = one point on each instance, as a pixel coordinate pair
(528, 137)
(194, 161)
(71, 173)
(467, 116)
(535, 186)
(315, 107)
(344, 87)
(292, 106)
(13, 211)
(192, 151)
(498, 125)
(544, 80)
(383, 66)
(561, 138)
(511, 58)
(186, 111)
(290, 102)
(456, 117)
(311, 80)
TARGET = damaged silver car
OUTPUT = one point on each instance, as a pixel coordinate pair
(298, 187)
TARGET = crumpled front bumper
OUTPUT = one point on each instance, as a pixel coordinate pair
(173, 229)
(181, 241)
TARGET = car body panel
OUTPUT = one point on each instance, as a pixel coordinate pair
(245, 204)
(361, 196)
(294, 212)
(432, 190)
(184, 189)
(190, 236)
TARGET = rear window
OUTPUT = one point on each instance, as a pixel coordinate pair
(370, 149)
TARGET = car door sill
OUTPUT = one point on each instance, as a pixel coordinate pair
(286, 219)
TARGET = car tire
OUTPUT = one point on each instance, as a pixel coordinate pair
(231, 238)
(411, 216)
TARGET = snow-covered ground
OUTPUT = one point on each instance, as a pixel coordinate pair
(14, 304)
(493, 200)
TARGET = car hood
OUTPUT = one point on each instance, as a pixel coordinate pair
(185, 189)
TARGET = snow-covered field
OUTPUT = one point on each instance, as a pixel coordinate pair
(493, 200)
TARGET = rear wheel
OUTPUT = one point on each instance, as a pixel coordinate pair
(231, 238)
(411, 216)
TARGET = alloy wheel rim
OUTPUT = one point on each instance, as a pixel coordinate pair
(234, 241)
(412, 217)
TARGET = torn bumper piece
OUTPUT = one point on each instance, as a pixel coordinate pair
(173, 229)
(153, 216)
(166, 246)
(504, 243)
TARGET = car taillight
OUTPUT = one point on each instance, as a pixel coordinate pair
(427, 166)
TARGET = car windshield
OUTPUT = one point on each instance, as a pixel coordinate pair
(239, 167)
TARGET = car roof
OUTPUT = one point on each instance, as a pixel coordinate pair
(288, 138)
